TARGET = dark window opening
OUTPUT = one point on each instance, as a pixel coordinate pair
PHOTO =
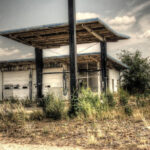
(16, 86)
(8, 87)
(25, 87)
(35, 85)
(82, 83)
(47, 86)
(93, 81)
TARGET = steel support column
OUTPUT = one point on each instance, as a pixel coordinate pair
(103, 46)
(39, 71)
(2, 85)
(30, 83)
(73, 54)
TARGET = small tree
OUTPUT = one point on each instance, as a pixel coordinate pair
(136, 78)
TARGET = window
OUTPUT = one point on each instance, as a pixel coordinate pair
(24, 87)
(8, 86)
(82, 68)
(82, 83)
(93, 81)
(16, 86)
(47, 86)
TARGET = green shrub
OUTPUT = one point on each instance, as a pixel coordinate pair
(128, 111)
(88, 104)
(88, 96)
(146, 93)
(85, 109)
(123, 97)
(110, 99)
(142, 103)
(141, 100)
(53, 107)
(37, 115)
(103, 102)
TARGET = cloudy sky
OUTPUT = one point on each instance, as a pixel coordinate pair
(131, 17)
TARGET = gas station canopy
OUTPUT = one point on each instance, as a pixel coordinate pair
(56, 35)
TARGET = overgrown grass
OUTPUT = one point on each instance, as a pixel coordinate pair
(128, 110)
(88, 104)
(110, 98)
(12, 118)
(26, 102)
(12, 100)
(53, 107)
(92, 106)
(16, 121)
(37, 115)
(123, 97)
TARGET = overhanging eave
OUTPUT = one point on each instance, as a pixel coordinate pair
(56, 35)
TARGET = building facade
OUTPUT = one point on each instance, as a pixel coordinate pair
(18, 78)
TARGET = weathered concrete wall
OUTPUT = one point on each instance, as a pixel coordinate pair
(54, 83)
(114, 77)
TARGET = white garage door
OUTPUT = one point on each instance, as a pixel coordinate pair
(16, 84)
(53, 83)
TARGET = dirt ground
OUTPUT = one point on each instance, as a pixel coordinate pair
(33, 147)
(132, 134)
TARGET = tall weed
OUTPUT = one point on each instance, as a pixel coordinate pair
(12, 117)
(89, 104)
(53, 107)
(110, 99)
(123, 97)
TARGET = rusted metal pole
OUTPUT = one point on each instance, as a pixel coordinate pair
(73, 54)
(103, 46)
(39, 71)
(30, 84)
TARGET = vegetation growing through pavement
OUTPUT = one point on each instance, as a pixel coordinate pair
(90, 106)
(93, 111)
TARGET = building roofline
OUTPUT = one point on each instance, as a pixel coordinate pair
(64, 24)
(65, 56)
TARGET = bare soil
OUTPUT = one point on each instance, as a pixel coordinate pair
(33, 147)
(122, 134)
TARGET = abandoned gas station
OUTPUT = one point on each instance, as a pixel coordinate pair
(72, 33)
